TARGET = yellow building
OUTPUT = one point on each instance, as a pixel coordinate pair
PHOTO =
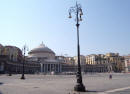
(69, 60)
(96, 63)
(13, 52)
(127, 63)
(116, 61)
(82, 60)
(105, 63)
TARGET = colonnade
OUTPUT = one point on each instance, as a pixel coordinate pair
(46, 68)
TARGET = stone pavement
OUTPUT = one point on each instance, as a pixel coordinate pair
(63, 84)
(127, 91)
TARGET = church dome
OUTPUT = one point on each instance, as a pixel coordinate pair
(41, 49)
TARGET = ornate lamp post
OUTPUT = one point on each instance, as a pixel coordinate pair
(77, 10)
(23, 51)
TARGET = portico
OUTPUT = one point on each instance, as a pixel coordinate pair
(49, 67)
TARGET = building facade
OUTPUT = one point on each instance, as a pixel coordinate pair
(82, 62)
(46, 58)
(116, 61)
(11, 61)
(43, 60)
(127, 63)
(13, 52)
(96, 63)
(111, 62)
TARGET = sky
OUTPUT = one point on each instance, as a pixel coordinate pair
(105, 27)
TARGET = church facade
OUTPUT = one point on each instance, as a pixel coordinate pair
(46, 58)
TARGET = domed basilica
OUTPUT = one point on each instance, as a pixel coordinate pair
(46, 57)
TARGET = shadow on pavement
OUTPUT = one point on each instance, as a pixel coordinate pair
(91, 91)
(86, 92)
(1, 84)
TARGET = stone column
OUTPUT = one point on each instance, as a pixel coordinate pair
(41, 67)
(50, 67)
(44, 67)
(58, 67)
(54, 68)
(47, 68)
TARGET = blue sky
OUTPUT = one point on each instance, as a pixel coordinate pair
(105, 26)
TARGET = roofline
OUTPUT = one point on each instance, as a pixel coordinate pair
(40, 52)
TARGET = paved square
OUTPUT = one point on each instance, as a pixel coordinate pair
(63, 84)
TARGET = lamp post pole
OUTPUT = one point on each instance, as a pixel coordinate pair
(10, 71)
(78, 12)
(23, 50)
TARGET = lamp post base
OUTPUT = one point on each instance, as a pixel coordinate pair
(10, 74)
(22, 77)
(79, 88)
